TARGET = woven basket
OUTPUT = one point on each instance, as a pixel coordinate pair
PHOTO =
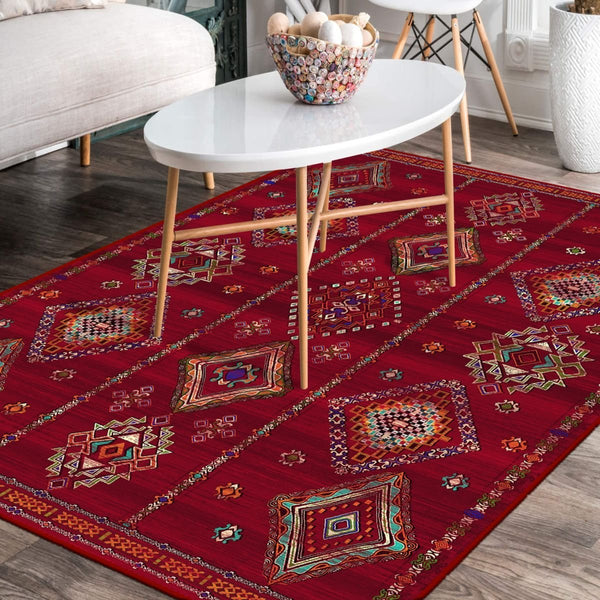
(319, 72)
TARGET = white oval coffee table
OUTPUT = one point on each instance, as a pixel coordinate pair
(255, 124)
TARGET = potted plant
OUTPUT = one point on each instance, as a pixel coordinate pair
(575, 83)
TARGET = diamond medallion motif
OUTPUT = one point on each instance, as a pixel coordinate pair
(380, 430)
(94, 327)
(350, 179)
(207, 380)
(320, 531)
(560, 291)
(349, 307)
(504, 209)
(427, 252)
(286, 234)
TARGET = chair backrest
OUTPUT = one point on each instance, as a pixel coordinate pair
(430, 7)
(297, 9)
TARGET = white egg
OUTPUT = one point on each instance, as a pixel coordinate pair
(330, 32)
(277, 23)
(351, 35)
(312, 22)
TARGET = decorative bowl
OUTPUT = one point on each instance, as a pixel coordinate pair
(318, 72)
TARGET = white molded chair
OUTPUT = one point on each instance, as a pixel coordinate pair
(426, 46)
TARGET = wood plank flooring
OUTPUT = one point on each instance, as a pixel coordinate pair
(53, 211)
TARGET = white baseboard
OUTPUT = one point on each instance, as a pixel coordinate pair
(522, 120)
(33, 154)
(530, 103)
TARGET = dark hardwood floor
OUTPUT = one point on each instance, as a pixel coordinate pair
(53, 211)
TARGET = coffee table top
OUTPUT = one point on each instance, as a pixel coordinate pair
(255, 124)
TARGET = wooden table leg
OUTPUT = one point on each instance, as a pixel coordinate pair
(325, 223)
(302, 254)
(167, 242)
(449, 190)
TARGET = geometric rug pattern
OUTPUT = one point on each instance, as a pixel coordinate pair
(352, 306)
(352, 178)
(325, 530)
(504, 209)
(196, 463)
(286, 234)
(94, 327)
(209, 380)
(429, 252)
(192, 261)
(559, 291)
(526, 360)
(9, 349)
(110, 452)
(397, 426)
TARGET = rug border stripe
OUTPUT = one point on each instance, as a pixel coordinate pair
(464, 169)
(538, 479)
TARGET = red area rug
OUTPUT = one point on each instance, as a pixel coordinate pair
(197, 465)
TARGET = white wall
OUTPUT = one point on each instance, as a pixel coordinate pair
(258, 13)
(527, 90)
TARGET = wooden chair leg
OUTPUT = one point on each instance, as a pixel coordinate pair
(449, 191)
(209, 181)
(464, 111)
(489, 54)
(403, 36)
(325, 224)
(429, 36)
(167, 242)
(85, 147)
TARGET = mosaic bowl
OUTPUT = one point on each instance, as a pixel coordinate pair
(318, 72)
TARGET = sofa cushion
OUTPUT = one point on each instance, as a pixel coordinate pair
(68, 73)
(17, 8)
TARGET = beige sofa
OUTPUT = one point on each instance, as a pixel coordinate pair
(65, 74)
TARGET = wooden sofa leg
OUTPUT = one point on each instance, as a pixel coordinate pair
(209, 181)
(85, 149)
